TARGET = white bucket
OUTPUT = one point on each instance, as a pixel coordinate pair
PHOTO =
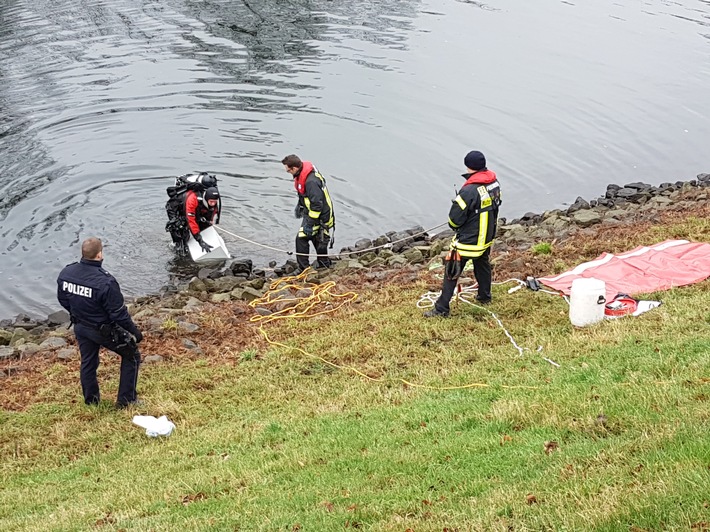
(586, 301)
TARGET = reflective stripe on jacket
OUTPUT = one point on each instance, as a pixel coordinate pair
(474, 214)
(314, 196)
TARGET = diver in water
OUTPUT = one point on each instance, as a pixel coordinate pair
(194, 203)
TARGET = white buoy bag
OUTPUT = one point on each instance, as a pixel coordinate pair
(586, 301)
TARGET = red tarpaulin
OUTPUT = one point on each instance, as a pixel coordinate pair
(642, 270)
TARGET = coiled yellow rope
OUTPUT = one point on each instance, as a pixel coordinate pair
(303, 307)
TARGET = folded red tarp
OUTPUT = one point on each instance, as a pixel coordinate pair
(642, 270)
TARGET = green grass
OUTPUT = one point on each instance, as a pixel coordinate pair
(276, 440)
(541, 248)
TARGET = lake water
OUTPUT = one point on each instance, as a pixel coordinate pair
(103, 101)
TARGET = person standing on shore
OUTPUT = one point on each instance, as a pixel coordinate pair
(95, 303)
(315, 208)
(473, 217)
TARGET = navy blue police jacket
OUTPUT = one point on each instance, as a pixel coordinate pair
(92, 296)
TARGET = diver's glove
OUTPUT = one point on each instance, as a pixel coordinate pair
(204, 245)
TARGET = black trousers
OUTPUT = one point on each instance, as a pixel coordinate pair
(90, 342)
(483, 274)
(303, 248)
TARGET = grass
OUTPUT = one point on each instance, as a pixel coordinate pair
(269, 438)
(542, 248)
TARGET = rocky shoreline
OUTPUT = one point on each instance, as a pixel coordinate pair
(23, 337)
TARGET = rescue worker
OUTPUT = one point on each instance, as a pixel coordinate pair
(315, 208)
(201, 211)
(94, 301)
(473, 217)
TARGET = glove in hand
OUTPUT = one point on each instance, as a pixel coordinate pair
(298, 211)
(204, 245)
(308, 230)
(139, 336)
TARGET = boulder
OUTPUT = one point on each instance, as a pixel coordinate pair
(242, 266)
(60, 317)
(66, 354)
(7, 352)
(586, 218)
(53, 342)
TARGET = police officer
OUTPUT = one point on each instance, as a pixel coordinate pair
(94, 301)
(314, 207)
(473, 217)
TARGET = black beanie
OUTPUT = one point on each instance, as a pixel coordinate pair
(475, 160)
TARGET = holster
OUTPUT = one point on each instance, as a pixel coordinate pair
(452, 265)
(322, 236)
(124, 341)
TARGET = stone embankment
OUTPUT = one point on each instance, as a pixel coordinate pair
(24, 337)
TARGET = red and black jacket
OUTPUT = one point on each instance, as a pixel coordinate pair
(199, 216)
(474, 214)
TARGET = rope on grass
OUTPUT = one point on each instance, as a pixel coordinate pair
(303, 307)
(464, 293)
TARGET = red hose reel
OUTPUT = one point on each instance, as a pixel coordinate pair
(621, 305)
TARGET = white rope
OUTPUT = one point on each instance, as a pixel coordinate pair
(429, 299)
(387, 245)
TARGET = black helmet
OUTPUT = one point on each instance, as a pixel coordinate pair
(210, 194)
(208, 181)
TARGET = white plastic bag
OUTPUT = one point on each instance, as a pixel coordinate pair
(161, 426)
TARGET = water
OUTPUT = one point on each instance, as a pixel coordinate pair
(103, 101)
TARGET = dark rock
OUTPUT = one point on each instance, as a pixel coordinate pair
(215, 274)
(243, 266)
(58, 318)
(204, 273)
(25, 322)
(447, 234)
(168, 289)
(258, 273)
(401, 241)
(361, 244)
(579, 204)
(381, 241)
(417, 232)
(630, 194)
(272, 264)
(611, 191)
(638, 186)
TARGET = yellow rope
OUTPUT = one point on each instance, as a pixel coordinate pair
(302, 309)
